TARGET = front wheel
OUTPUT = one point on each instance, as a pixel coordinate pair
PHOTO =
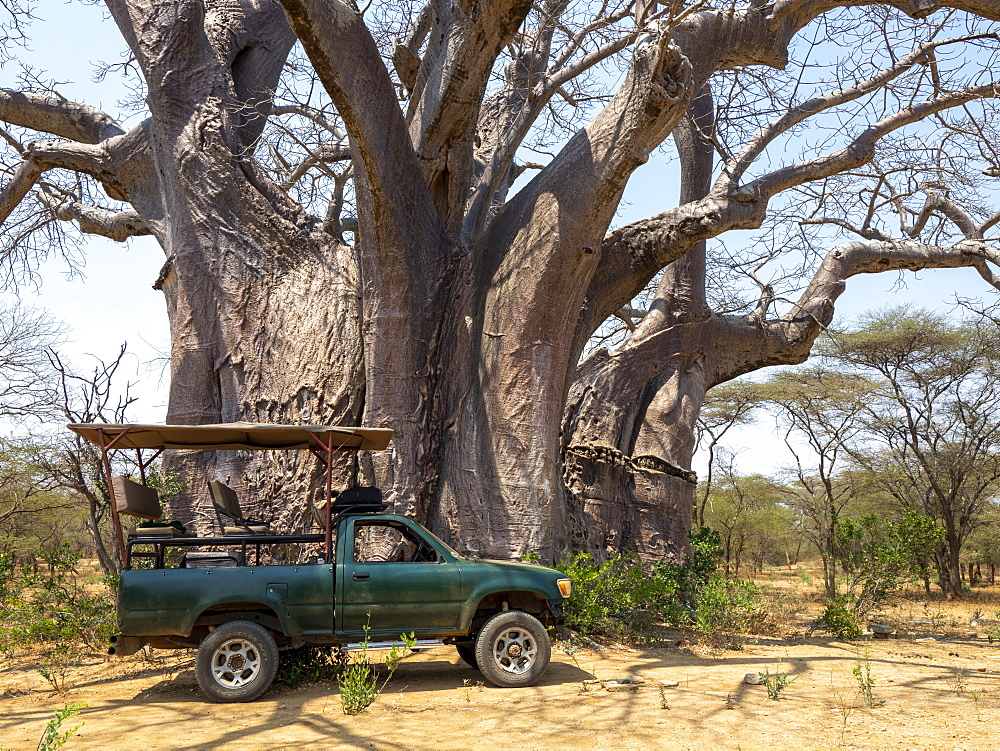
(237, 662)
(513, 649)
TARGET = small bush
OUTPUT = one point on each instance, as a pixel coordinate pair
(359, 681)
(310, 665)
(727, 608)
(775, 683)
(841, 620)
(866, 683)
(358, 687)
(619, 598)
(51, 737)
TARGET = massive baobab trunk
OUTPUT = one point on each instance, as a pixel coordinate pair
(458, 314)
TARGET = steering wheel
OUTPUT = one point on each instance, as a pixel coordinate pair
(424, 554)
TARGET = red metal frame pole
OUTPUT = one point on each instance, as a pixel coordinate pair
(329, 500)
(328, 447)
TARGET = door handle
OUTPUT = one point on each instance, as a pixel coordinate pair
(361, 576)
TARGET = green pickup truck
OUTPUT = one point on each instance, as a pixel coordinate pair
(362, 582)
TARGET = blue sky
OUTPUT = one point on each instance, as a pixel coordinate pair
(113, 301)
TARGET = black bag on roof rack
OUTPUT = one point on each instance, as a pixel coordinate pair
(361, 499)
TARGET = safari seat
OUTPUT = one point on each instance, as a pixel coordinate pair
(136, 500)
(154, 529)
(227, 506)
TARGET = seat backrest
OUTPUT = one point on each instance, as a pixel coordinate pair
(225, 500)
(136, 500)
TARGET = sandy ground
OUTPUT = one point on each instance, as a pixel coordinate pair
(943, 693)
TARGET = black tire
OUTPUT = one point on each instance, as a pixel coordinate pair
(513, 649)
(468, 654)
(237, 662)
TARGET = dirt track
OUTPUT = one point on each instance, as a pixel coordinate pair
(938, 694)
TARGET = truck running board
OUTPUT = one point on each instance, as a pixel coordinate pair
(374, 646)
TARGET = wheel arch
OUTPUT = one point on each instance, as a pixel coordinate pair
(487, 604)
(226, 611)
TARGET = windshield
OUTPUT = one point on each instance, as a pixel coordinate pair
(442, 543)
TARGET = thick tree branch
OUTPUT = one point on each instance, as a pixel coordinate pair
(448, 91)
(634, 253)
(348, 63)
(938, 203)
(118, 226)
(507, 117)
(14, 191)
(406, 53)
(597, 162)
(787, 340)
(76, 122)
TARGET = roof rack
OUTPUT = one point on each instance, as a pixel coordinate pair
(321, 440)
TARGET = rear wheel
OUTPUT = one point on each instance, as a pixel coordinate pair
(237, 662)
(513, 649)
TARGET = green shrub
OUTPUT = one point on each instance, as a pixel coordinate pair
(840, 619)
(358, 687)
(726, 608)
(310, 665)
(878, 556)
(358, 681)
(51, 737)
(49, 607)
(625, 599)
(775, 683)
(618, 597)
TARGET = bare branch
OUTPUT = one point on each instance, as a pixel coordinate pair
(15, 190)
(118, 226)
(936, 202)
(869, 233)
(311, 114)
(755, 147)
(861, 149)
(326, 154)
(788, 339)
(77, 122)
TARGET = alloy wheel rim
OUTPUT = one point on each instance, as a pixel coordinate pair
(514, 651)
(235, 663)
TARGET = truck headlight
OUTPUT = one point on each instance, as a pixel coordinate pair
(565, 587)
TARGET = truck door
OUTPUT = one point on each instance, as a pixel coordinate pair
(395, 580)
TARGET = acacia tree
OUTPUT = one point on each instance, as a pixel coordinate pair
(752, 517)
(931, 428)
(371, 257)
(822, 409)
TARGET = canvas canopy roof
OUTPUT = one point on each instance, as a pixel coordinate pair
(235, 435)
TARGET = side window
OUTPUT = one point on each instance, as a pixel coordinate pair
(384, 542)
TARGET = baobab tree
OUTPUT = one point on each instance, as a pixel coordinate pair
(409, 224)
